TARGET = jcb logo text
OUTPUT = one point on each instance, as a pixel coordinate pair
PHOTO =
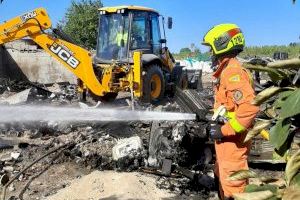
(64, 55)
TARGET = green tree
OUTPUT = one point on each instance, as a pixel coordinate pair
(81, 22)
(197, 51)
(185, 50)
(292, 50)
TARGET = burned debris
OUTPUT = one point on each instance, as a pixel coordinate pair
(178, 153)
(171, 150)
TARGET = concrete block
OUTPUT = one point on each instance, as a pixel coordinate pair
(23, 61)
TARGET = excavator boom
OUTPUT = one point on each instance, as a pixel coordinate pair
(75, 58)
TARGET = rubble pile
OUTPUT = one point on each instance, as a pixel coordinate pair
(13, 92)
(121, 146)
(10, 86)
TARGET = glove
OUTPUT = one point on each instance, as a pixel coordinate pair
(215, 132)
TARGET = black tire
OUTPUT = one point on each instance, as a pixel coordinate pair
(153, 84)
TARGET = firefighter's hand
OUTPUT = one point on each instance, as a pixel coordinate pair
(215, 132)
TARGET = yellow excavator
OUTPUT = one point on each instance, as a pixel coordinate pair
(130, 54)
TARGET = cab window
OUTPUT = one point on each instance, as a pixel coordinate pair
(139, 33)
(156, 45)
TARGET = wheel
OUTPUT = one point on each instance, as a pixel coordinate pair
(153, 84)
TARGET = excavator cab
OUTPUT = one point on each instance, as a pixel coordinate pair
(113, 37)
(126, 30)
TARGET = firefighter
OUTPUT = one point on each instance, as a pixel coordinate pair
(233, 90)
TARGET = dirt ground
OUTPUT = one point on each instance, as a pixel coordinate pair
(112, 185)
(67, 181)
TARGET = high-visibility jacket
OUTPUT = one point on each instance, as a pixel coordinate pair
(234, 90)
(120, 36)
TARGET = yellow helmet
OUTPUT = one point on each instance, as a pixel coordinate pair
(225, 38)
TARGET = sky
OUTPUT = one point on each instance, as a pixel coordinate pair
(264, 22)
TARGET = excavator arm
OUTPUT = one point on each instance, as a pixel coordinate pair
(78, 60)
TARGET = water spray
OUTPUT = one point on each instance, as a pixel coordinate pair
(30, 113)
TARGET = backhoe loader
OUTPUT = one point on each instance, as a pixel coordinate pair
(130, 54)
